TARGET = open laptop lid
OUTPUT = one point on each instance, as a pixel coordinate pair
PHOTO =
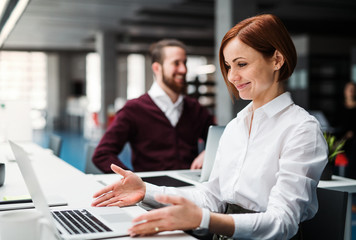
(212, 143)
(33, 185)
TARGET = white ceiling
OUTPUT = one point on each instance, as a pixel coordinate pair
(72, 24)
(54, 25)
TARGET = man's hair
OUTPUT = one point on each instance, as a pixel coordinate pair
(156, 49)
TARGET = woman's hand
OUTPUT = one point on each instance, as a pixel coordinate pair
(181, 215)
(127, 191)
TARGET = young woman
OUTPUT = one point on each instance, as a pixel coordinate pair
(269, 160)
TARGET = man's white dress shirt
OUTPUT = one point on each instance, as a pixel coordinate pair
(274, 170)
(173, 111)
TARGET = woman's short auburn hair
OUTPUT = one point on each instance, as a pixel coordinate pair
(265, 33)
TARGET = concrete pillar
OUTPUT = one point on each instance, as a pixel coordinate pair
(106, 48)
(122, 76)
(148, 73)
(223, 22)
(52, 91)
(228, 13)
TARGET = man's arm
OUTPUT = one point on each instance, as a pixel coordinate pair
(112, 143)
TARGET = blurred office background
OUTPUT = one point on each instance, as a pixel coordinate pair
(66, 66)
(73, 63)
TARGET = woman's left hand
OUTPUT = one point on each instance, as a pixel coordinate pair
(181, 215)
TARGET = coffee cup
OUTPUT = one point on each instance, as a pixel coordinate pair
(23, 224)
(2, 173)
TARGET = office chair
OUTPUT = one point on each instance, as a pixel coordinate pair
(55, 144)
(329, 221)
(90, 167)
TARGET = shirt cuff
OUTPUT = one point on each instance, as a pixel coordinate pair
(151, 191)
(205, 219)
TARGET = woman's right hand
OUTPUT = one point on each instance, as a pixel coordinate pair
(127, 191)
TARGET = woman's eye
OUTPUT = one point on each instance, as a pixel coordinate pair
(227, 67)
(242, 64)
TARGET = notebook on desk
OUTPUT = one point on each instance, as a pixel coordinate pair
(53, 201)
(79, 223)
(211, 147)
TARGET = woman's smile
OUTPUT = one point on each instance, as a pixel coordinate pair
(242, 86)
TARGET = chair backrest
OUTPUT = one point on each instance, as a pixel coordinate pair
(329, 221)
(55, 144)
(125, 157)
(89, 165)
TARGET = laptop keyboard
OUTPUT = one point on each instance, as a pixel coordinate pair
(79, 221)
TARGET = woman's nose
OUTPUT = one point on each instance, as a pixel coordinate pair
(233, 76)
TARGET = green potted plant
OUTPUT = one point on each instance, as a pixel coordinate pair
(335, 147)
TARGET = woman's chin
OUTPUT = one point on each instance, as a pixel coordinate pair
(244, 97)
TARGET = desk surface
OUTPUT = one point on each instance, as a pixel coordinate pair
(339, 183)
(57, 178)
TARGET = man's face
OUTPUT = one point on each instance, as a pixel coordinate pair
(174, 69)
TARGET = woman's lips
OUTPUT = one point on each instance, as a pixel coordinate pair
(242, 86)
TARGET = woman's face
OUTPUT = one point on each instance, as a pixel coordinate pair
(255, 77)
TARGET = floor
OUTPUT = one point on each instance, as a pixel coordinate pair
(73, 152)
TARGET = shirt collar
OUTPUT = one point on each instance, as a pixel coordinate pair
(269, 109)
(158, 94)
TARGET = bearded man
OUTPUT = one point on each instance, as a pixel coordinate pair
(163, 126)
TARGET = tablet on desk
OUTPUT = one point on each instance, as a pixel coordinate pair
(165, 180)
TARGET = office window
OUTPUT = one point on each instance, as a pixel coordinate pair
(23, 77)
(93, 88)
(135, 75)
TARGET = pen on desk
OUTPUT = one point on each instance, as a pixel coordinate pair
(16, 201)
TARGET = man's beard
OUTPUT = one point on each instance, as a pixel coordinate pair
(171, 84)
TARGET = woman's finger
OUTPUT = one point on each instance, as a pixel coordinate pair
(148, 227)
(152, 215)
(102, 198)
(118, 170)
(104, 190)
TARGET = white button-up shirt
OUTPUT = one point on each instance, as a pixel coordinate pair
(274, 170)
(173, 111)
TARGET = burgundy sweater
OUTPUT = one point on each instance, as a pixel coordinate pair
(156, 145)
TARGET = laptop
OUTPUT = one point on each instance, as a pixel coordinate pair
(212, 142)
(81, 223)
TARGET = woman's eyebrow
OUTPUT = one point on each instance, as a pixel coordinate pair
(235, 59)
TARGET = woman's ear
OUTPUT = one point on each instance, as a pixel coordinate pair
(278, 59)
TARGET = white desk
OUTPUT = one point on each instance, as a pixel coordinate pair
(337, 183)
(58, 178)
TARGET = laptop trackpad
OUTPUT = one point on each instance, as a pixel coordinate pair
(116, 217)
